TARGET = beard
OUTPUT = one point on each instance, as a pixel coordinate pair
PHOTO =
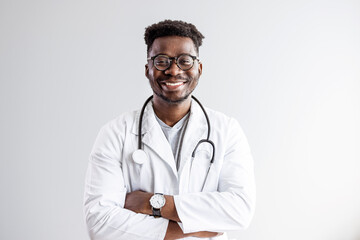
(189, 81)
(177, 101)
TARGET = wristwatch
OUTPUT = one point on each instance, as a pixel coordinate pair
(157, 201)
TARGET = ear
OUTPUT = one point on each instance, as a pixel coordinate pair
(200, 68)
(147, 70)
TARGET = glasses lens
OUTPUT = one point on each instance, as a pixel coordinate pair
(161, 62)
(185, 62)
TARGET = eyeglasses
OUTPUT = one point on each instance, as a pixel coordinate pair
(163, 62)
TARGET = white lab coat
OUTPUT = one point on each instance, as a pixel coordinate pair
(226, 203)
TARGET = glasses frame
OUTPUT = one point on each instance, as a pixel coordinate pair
(172, 59)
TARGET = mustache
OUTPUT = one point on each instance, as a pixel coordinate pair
(177, 77)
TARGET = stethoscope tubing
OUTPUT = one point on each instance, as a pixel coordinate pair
(140, 121)
(207, 140)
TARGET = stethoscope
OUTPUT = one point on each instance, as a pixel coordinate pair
(139, 156)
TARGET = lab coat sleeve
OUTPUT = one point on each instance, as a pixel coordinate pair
(105, 193)
(231, 207)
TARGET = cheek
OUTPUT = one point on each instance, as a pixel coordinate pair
(153, 74)
(149, 73)
(195, 74)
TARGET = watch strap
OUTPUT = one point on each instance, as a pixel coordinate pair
(156, 212)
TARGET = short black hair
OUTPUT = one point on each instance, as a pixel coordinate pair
(172, 28)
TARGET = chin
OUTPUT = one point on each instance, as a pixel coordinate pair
(174, 101)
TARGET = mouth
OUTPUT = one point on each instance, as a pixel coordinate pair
(172, 86)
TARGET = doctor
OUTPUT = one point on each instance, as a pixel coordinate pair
(148, 176)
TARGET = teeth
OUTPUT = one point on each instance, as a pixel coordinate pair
(174, 84)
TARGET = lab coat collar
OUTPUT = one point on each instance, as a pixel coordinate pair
(148, 122)
(196, 130)
(197, 119)
(153, 137)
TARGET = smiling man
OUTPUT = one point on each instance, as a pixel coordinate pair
(173, 83)
(174, 169)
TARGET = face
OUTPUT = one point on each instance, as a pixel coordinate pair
(173, 85)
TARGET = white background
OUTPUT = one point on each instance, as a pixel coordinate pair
(287, 70)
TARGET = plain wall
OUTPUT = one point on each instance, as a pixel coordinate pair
(287, 70)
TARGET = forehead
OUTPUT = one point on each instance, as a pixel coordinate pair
(172, 46)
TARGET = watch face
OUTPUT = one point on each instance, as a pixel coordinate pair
(157, 201)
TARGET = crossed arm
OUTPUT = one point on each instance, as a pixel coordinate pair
(111, 212)
(138, 201)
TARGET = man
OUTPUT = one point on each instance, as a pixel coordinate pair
(172, 184)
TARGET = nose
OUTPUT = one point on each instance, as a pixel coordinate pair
(173, 70)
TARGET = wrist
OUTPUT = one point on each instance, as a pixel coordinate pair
(147, 207)
(157, 202)
(169, 210)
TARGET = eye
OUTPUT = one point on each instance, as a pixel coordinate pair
(161, 61)
(185, 60)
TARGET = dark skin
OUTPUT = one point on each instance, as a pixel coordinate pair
(138, 201)
(171, 103)
(172, 100)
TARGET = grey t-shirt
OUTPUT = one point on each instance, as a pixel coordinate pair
(174, 135)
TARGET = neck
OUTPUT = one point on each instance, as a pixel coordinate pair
(171, 113)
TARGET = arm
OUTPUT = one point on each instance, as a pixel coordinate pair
(229, 208)
(175, 232)
(105, 194)
(138, 201)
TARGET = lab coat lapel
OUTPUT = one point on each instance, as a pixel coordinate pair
(154, 138)
(195, 131)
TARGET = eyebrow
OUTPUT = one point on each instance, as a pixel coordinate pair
(175, 56)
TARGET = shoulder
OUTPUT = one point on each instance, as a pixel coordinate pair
(220, 119)
(228, 131)
(122, 123)
(217, 115)
(223, 124)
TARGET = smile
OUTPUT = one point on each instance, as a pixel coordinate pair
(174, 84)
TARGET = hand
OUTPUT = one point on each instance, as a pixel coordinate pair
(205, 234)
(139, 202)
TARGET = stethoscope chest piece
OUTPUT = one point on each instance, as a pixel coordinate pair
(139, 156)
